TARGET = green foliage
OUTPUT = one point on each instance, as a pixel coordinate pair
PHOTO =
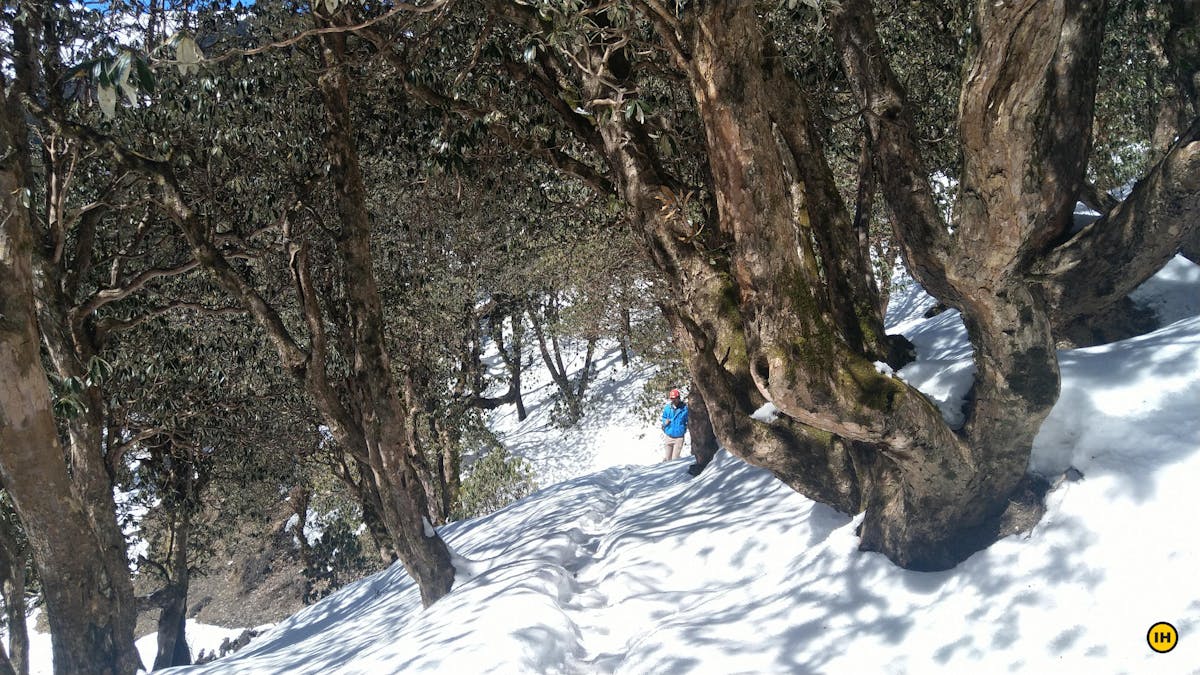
(68, 392)
(1134, 75)
(336, 558)
(495, 480)
(654, 393)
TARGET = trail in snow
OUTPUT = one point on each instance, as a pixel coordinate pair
(643, 570)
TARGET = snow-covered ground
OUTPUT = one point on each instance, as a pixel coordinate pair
(612, 432)
(641, 569)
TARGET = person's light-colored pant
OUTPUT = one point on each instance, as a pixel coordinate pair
(672, 448)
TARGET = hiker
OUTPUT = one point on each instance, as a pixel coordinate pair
(674, 425)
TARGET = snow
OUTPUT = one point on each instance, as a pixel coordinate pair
(613, 432)
(768, 413)
(944, 370)
(200, 636)
(642, 569)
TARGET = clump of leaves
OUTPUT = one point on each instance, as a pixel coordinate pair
(337, 558)
(496, 480)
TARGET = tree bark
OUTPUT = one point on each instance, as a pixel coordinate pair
(172, 600)
(704, 440)
(1108, 259)
(379, 398)
(809, 323)
(88, 606)
(12, 587)
(1025, 120)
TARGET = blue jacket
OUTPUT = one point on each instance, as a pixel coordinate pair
(674, 420)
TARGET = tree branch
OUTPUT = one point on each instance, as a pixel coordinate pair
(901, 171)
(109, 325)
(397, 8)
(553, 156)
(207, 254)
(1096, 199)
(109, 295)
(1109, 258)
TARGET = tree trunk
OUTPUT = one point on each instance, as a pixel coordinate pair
(704, 440)
(360, 485)
(552, 358)
(1025, 122)
(89, 606)
(172, 618)
(805, 316)
(794, 320)
(517, 360)
(379, 399)
(371, 509)
(72, 348)
(626, 336)
(12, 587)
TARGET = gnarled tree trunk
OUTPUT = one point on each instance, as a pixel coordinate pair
(89, 606)
(704, 441)
(789, 317)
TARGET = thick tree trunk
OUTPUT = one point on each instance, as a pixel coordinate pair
(72, 348)
(794, 320)
(1025, 121)
(91, 617)
(372, 509)
(378, 398)
(809, 317)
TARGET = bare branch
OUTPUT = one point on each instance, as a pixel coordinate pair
(110, 325)
(109, 295)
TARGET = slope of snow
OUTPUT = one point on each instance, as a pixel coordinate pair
(643, 570)
(611, 433)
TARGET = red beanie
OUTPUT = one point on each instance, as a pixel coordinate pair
(674, 393)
